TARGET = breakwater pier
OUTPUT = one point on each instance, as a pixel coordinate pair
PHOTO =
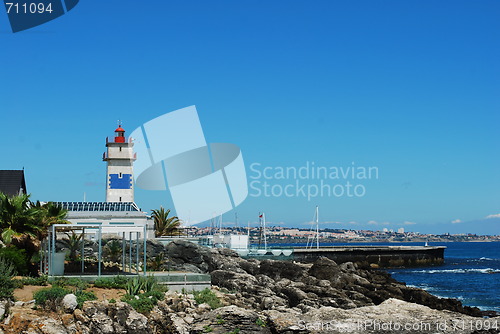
(375, 256)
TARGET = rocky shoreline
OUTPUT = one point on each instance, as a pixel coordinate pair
(266, 297)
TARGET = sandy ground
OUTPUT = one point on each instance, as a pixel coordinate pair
(26, 293)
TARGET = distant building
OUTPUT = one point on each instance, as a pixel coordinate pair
(12, 182)
(401, 230)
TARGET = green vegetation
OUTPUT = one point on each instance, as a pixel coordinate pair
(17, 257)
(73, 243)
(143, 293)
(37, 281)
(23, 224)
(65, 282)
(156, 263)
(7, 284)
(260, 322)
(220, 321)
(207, 329)
(207, 296)
(117, 282)
(50, 298)
(112, 301)
(165, 226)
(83, 296)
(113, 250)
(235, 331)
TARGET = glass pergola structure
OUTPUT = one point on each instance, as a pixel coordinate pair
(129, 232)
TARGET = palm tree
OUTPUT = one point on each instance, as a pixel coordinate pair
(24, 224)
(73, 243)
(165, 226)
(18, 219)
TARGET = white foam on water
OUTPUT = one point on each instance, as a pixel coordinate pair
(458, 271)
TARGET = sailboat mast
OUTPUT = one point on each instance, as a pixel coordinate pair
(317, 227)
(265, 234)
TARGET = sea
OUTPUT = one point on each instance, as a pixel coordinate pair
(470, 273)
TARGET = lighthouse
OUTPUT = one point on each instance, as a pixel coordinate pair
(120, 159)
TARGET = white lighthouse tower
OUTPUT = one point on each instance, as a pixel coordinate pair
(120, 159)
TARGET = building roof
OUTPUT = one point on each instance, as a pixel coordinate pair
(99, 206)
(119, 129)
(12, 182)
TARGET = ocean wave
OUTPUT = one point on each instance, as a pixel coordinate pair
(458, 271)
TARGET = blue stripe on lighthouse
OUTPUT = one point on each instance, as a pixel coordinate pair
(117, 182)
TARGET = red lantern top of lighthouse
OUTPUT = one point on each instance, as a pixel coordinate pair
(119, 134)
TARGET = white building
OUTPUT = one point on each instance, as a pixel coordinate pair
(120, 159)
(119, 213)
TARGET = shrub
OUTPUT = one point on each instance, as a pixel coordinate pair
(117, 282)
(143, 293)
(17, 257)
(50, 297)
(141, 284)
(7, 284)
(64, 282)
(83, 296)
(38, 281)
(207, 296)
(142, 304)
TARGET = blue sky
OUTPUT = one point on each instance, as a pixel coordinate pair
(411, 87)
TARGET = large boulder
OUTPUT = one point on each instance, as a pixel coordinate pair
(69, 303)
(325, 269)
(281, 269)
(229, 319)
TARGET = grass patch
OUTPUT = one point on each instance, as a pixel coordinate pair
(65, 282)
(117, 282)
(207, 296)
(50, 298)
(36, 281)
(83, 296)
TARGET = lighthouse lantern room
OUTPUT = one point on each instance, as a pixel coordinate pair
(120, 159)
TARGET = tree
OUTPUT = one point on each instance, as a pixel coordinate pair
(18, 219)
(73, 243)
(24, 224)
(164, 225)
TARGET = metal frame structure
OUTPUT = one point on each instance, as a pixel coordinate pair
(47, 261)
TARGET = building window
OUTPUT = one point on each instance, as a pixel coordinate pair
(120, 199)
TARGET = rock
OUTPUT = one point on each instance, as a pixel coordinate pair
(4, 308)
(389, 317)
(80, 316)
(324, 269)
(281, 269)
(69, 303)
(154, 248)
(228, 319)
(47, 325)
(284, 322)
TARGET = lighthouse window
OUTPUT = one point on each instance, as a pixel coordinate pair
(120, 149)
(120, 199)
(120, 175)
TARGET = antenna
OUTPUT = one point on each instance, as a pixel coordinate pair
(119, 122)
(317, 227)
